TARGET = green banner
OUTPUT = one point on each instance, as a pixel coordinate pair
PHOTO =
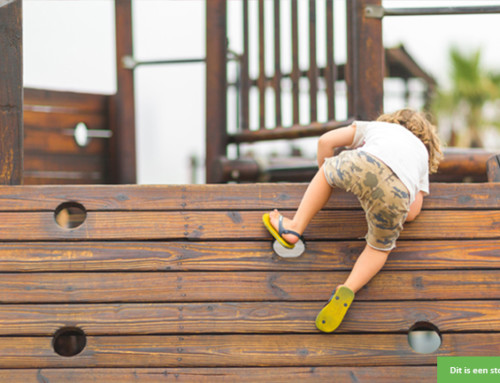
(468, 369)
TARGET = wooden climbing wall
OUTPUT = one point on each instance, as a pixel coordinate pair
(164, 283)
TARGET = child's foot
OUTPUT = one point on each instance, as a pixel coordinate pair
(287, 225)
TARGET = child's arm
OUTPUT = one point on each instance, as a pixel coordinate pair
(334, 139)
(415, 207)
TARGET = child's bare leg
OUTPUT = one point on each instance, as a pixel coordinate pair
(316, 196)
(366, 267)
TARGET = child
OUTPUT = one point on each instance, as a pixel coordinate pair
(388, 170)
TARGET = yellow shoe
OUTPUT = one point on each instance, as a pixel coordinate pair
(331, 316)
(278, 234)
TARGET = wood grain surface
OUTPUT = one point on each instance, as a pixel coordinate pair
(385, 374)
(244, 225)
(237, 256)
(223, 197)
(242, 286)
(290, 350)
(181, 283)
(244, 317)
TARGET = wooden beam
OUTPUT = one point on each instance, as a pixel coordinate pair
(365, 61)
(215, 225)
(493, 169)
(223, 256)
(11, 93)
(123, 157)
(216, 85)
(401, 374)
(234, 350)
(242, 317)
(242, 286)
(251, 197)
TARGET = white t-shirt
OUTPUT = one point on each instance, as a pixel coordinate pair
(399, 149)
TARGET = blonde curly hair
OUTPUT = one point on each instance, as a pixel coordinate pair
(420, 126)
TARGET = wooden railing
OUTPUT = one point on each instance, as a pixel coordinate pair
(363, 74)
(274, 40)
(121, 159)
(365, 67)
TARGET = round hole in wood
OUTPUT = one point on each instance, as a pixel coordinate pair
(69, 341)
(424, 338)
(70, 215)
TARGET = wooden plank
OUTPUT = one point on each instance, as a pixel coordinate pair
(457, 166)
(123, 156)
(312, 73)
(447, 316)
(11, 93)
(241, 286)
(365, 57)
(50, 101)
(77, 162)
(65, 178)
(242, 350)
(245, 75)
(216, 85)
(64, 168)
(161, 197)
(261, 81)
(223, 197)
(295, 76)
(38, 141)
(244, 317)
(60, 122)
(277, 64)
(460, 162)
(296, 131)
(386, 374)
(243, 225)
(331, 68)
(237, 256)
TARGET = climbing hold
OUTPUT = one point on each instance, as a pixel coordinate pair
(294, 252)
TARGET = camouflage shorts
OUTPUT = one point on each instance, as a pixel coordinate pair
(382, 195)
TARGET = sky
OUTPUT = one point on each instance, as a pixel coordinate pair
(69, 45)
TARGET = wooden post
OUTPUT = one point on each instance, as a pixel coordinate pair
(123, 157)
(365, 69)
(493, 169)
(216, 86)
(11, 93)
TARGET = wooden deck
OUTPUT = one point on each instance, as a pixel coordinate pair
(180, 283)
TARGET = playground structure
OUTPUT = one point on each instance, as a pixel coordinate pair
(42, 149)
(137, 283)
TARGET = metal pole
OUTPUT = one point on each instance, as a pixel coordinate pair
(378, 12)
(129, 62)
